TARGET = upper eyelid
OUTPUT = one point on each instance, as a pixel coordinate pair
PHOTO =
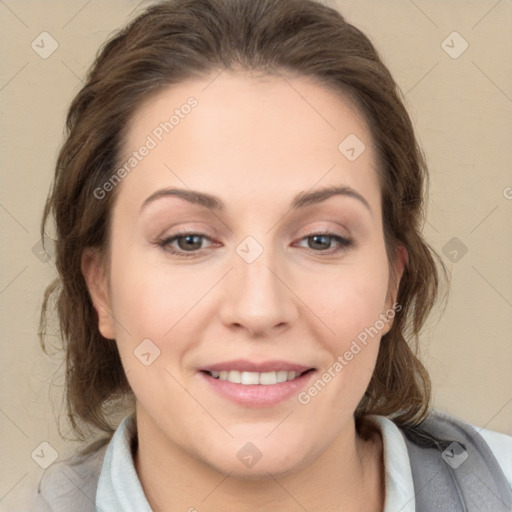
(312, 232)
(322, 230)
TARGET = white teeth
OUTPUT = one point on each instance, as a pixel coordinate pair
(251, 378)
(248, 378)
(268, 378)
(282, 376)
(234, 376)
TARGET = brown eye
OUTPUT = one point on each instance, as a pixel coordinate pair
(187, 244)
(323, 242)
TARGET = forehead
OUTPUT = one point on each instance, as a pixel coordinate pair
(251, 136)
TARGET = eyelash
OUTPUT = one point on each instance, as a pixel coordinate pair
(344, 243)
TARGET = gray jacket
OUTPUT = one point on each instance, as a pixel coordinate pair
(454, 469)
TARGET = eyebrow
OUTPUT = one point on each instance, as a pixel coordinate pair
(301, 200)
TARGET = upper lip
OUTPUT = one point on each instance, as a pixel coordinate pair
(244, 365)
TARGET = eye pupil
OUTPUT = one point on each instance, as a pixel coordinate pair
(324, 241)
(189, 244)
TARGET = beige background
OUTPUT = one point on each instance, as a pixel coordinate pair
(462, 110)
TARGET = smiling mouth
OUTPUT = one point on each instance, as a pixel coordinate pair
(256, 378)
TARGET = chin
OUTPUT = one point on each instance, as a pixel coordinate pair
(248, 462)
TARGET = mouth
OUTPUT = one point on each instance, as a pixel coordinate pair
(251, 384)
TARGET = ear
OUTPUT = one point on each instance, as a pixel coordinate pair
(396, 271)
(94, 273)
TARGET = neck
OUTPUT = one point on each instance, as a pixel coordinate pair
(348, 476)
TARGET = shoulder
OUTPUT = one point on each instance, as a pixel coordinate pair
(501, 447)
(70, 484)
(464, 462)
(73, 483)
(415, 457)
(66, 485)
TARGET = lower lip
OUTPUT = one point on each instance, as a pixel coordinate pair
(258, 395)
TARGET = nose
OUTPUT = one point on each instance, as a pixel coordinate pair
(259, 296)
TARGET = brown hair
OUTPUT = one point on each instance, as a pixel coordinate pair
(180, 39)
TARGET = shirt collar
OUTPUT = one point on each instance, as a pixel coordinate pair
(119, 487)
(399, 484)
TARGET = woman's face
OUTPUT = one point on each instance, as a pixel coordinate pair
(274, 274)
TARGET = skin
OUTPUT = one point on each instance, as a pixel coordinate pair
(255, 143)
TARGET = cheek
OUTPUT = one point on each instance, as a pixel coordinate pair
(351, 298)
(352, 306)
(154, 304)
(155, 335)
(356, 310)
(148, 303)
